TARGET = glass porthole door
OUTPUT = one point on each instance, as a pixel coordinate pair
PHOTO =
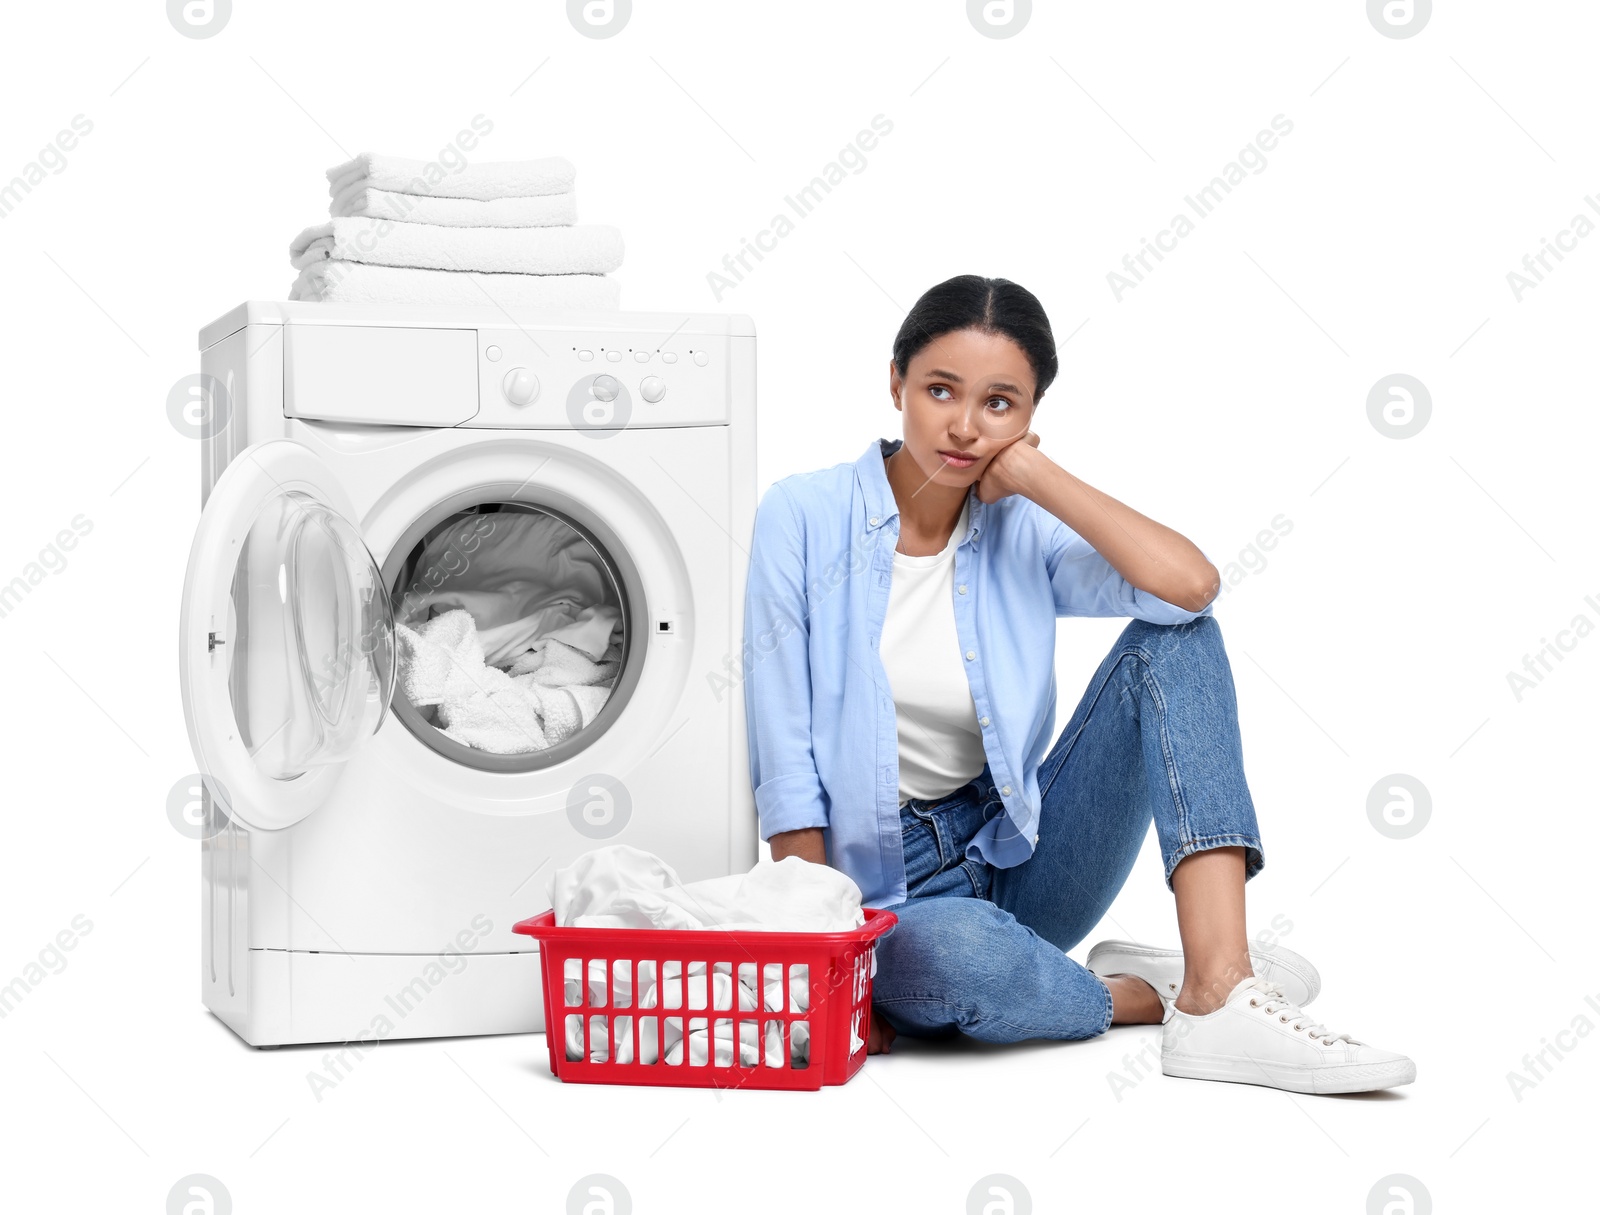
(286, 646)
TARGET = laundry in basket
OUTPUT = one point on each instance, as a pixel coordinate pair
(619, 887)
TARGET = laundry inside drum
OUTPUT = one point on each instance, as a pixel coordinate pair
(510, 627)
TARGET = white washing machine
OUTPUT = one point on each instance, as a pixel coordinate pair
(361, 865)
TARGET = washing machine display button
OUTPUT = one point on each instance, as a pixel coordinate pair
(641, 356)
(669, 357)
(492, 353)
(701, 358)
(585, 356)
(652, 388)
(605, 388)
(521, 386)
(613, 356)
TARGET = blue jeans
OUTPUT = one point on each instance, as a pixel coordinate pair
(980, 950)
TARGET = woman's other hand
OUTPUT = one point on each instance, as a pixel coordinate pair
(1006, 472)
(880, 1034)
(806, 843)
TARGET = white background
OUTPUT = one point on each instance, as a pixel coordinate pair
(1228, 388)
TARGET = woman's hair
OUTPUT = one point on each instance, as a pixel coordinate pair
(993, 305)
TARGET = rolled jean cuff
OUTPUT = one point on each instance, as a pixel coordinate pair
(1254, 859)
(1106, 1024)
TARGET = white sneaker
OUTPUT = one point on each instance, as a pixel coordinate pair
(1163, 968)
(1259, 1036)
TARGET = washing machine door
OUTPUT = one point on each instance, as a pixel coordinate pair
(286, 648)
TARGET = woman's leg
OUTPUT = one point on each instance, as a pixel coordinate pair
(957, 963)
(1154, 738)
(963, 965)
(1210, 894)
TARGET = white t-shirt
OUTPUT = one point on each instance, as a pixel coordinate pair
(940, 743)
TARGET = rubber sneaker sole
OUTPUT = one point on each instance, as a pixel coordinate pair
(1323, 1079)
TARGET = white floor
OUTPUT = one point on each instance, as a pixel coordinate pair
(131, 1085)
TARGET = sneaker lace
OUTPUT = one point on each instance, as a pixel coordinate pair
(1270, 999)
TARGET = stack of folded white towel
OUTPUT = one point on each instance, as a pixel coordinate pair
(501, 233)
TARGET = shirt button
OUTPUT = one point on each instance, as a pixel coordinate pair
(962, 589)
(1005, 788)
(873, 520)
(983, 721)
(971, 655)
(1036, 841)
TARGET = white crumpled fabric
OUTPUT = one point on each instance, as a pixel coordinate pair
(550, 692)
(521, 576)
(619, 886)
(683, 997)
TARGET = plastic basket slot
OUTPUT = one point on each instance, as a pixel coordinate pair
(799, 1044)
(649, 1052)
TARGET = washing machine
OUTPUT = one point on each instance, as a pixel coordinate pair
(362, 864)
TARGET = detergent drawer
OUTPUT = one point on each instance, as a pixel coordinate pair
(380, 375)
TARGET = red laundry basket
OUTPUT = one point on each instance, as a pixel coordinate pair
(613, 993)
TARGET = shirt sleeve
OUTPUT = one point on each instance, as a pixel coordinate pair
(777, 672)
(1086, 584)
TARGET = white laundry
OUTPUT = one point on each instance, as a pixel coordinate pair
(522, 576)
(337, 281)
(523, 647)
(619, 886)
(683, 997)
(757, 1044)
(678, 989)
(561, 249)
(587, 629)
(483, 180)
(442, 664)
(536, 211)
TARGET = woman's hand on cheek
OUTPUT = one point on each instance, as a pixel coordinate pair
(1003, 475)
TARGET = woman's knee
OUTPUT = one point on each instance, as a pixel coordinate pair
(1198, 641)
(968, 965)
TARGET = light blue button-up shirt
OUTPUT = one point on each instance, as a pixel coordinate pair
(819, 710)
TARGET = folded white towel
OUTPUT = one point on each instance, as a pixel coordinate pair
(343, 282)
(487, 179)
(540, 210)
(569, 249)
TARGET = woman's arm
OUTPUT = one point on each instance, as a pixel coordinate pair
(790, 799)
(805, 843)
(1152, 557)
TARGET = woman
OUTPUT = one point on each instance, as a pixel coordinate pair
(900, 624)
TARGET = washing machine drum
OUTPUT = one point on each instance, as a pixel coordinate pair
(511, 631)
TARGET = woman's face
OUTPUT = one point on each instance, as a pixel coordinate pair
(965, 394)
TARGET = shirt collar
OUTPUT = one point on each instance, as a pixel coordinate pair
(879, 496)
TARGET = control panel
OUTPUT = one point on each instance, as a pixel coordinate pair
(569, 379)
